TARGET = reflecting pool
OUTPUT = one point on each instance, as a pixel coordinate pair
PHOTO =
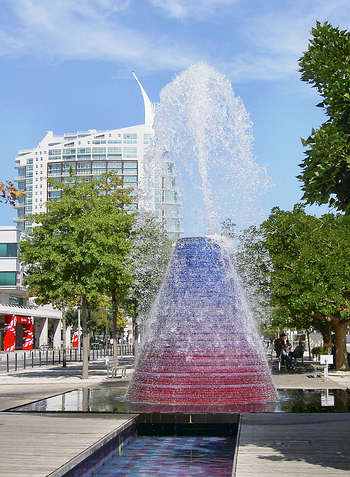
(110, 400)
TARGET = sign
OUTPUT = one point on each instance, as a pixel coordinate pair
(326, 359)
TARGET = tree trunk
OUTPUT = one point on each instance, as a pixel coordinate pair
(64, 341)
(135, 334)
(325, 330)
(341, 361)
(105, 337)
(114, 332)
(85, 371)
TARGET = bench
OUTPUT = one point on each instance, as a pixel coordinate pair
(113, 368)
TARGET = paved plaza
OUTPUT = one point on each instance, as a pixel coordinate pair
(288, 444)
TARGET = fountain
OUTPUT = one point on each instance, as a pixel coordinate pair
(201, 346)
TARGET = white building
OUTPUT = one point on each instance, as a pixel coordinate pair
(23, 325)
(90, 154)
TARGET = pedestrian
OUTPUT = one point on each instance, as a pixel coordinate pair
(285, 358)
(278, 344)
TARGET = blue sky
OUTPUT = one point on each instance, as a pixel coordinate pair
(66, 66)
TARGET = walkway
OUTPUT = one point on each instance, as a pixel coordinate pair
(285, 444)
(37, 445)
(294, 445)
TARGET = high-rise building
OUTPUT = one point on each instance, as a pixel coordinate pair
(90, 154)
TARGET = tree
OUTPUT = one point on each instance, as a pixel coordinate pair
(251, 261)
(150, 255)
(66, 253)
(9, 194)
(311, 270)
(326, 167)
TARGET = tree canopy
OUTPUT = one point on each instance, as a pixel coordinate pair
(79, 247)
(149, 256)
(9, 194)
(326, 166)
(311, 270)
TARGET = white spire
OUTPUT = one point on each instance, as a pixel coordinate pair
(149, 109)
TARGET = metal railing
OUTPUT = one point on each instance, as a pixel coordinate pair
(15, 361)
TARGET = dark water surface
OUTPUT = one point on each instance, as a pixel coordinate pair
(110, 400)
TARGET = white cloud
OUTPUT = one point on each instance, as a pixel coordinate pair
(273, 38)
(87, 29)
(198, 9)
(278, 39)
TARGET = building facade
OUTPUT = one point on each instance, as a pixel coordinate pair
(90, 154)
(23, 325)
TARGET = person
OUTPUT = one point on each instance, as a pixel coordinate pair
(286, 359)
(298, 351)
(278, 344)
(289, 346)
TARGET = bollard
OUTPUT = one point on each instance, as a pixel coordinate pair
(24, 360)
(32, 359)
(7, 363)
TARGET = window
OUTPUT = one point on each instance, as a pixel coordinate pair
(100, 157)
(54, 152)
(99, 150)
(170, 196)
(54, 195)
(99, 141)
(21, 172)
(147, 138)
(84, 150)
(7, 278)
(115, 150)
(69, 151)
(99, 167)
(53, 169)
(130, 165)
(83, 167)
(8, 249)
(20, 212)
(130, 179)
(68, 167)
(130, 152)
(115, 141)
(130, 138)
(115, 166)
(84, 156)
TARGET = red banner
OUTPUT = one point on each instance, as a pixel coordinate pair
(75, 341)
(28, 331)
(10, 333)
